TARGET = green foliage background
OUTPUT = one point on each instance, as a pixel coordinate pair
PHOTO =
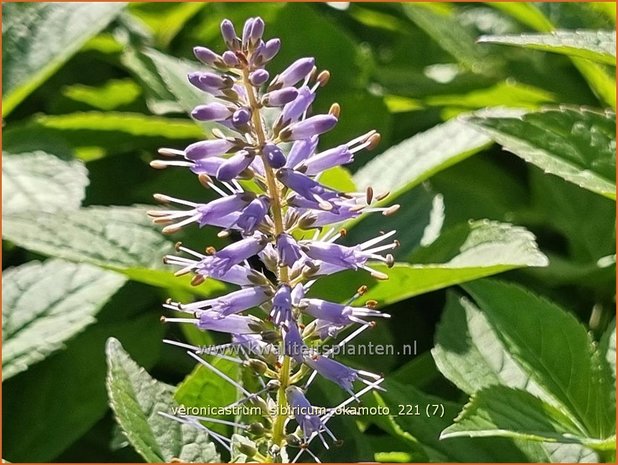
(501, 152)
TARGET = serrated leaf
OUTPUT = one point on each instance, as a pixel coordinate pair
(577, 144)
(412, 161)
(113, 237)
(598, 46)
(470, 354)
(75, 379)
(39, 37)
(486, 248)
(563, 361)
(137, 399)
(500, 411)
(45, 304)
(422, 431)
(118, 238)
(38, 181)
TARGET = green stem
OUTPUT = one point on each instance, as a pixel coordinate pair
(274, 193)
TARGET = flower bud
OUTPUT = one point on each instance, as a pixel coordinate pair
(214, 111)
(206, 56)
(278, 98)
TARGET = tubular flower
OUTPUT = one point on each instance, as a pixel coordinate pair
(263, 167)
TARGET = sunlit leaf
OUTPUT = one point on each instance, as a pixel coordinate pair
(41, 182)
(37, 38)
(137, 400)
(576, 144)
(45, 304)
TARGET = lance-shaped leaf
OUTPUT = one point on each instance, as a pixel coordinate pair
(39, 37)
(45, 304)
(594, 45)
(41, 182)
(577, 144)
(137, 399)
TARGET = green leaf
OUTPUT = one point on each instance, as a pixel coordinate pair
(112, 237)
(45, 304)
(481, 249)
(75, 379)
(525, 13)
(203, 388)
(412, 161)
(135, 124)
(471, 355)
(597, 46)
(422, 430)
(113, 94)
(38, 38)
(576, 144)
(118, 238)
(137, 399)
(563, 362)
(42, 182)
(448, 32)
(506, 412)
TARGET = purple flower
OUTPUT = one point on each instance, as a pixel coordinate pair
(336, 313)
(234, 165)
(233, 324)
(214, 111)
(208, 148)
(293, 110)
(223, 260)
(253, 215)
(298, 70)
(234, 302)
(282, 305)
(206, 56)
(301, 150)
(312, 126)
(334, 371)
(274, 155)
(307, 187)
(304, 413)
(258, 77)
(293, 344)
(288, 250)
(278, 98)
(337, 156)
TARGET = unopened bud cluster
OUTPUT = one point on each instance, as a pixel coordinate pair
(264, 165)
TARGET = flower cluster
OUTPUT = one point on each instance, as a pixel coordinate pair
(267, 141)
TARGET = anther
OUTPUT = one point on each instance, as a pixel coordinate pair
(343, 232)
(161, 198)
(177, 246)
(210, 250)
(205, 180)
(373, 141)
(335, 110)
(168, 301)
(323, 77)
(389, 260)
(372, 304)
(369, 195)
(362, 290)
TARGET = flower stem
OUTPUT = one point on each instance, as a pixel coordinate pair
(274, 193)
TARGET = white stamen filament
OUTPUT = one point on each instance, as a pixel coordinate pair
(220, 373)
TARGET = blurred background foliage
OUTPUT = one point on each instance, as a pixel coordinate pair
(90, 91)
